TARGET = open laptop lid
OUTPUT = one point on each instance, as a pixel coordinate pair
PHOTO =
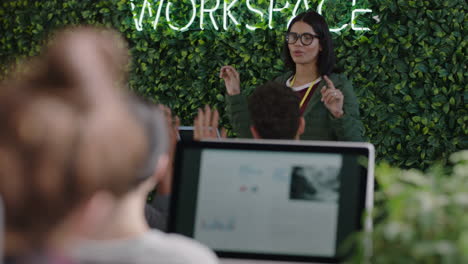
(272, 200)
(185, 133)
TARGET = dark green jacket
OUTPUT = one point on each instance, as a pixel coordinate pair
(320, 124)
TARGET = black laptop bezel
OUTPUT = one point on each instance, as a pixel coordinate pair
(364, 149)
(185, 133)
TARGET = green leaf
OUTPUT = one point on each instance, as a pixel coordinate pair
(446, 108)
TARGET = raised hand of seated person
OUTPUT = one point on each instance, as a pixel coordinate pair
(206, 124)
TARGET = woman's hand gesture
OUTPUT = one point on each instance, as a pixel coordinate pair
(231, 79)
(332, 98)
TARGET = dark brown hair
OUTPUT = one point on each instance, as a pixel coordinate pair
(274, 110)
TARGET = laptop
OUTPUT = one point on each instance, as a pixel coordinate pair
(264, 201)
(186, 133)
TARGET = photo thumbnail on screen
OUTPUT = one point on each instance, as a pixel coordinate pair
(319, 183)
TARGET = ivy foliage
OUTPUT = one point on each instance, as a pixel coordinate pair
(409, 70)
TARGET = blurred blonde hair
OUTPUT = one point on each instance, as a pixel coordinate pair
(67, 131)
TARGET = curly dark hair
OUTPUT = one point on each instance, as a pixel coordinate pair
(326, 60)
(275, 113)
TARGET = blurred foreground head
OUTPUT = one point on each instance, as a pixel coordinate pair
(66, 133)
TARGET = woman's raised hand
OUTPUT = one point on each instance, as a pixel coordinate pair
(332, 98)
(231, 79)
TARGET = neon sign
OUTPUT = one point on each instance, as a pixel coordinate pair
(228, 17)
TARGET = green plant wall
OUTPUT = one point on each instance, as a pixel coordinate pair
(409, 70)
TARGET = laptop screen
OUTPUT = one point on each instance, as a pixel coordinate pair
(273, 200)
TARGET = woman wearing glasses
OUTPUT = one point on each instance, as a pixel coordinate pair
(328, 102)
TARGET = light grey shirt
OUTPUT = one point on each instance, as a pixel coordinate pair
(153, 247)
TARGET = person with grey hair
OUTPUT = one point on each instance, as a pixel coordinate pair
(126, 237)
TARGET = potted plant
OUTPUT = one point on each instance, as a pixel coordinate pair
(419, 217)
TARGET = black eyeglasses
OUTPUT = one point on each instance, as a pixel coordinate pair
(306, 38)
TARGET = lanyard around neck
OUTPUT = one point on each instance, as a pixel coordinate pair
(306, 94)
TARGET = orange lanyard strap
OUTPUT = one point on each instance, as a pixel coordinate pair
(306, 94)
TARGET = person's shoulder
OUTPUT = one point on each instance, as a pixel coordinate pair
(283, 77)
(339, 76)
(179, 249)
(341, 81)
